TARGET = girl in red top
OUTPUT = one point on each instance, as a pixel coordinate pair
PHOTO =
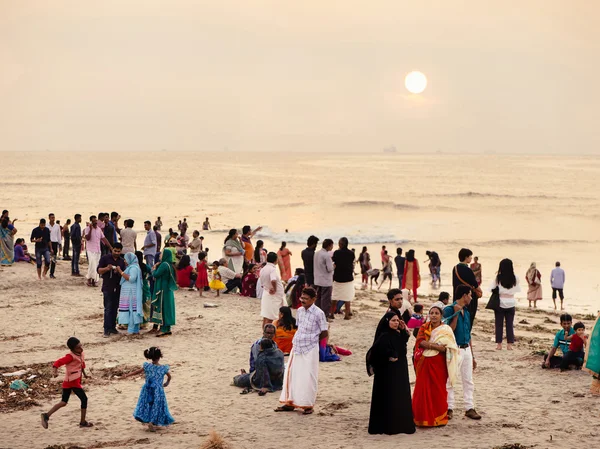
(75, 368)
(201, 269)
(184, 273)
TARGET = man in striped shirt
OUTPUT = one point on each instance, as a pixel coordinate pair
(300, 380)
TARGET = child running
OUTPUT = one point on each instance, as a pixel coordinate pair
(152, 407)
(216, 283)
(75, 367)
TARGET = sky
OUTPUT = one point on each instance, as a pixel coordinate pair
(507, 76)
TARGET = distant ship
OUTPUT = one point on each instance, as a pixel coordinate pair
(391, 149)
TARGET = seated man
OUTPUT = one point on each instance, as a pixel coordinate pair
(230, 278)
(561, 340)
(269, 332)
(576, 353)
(268, 375)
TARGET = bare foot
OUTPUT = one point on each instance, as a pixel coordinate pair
(499, 347)
(509, 347)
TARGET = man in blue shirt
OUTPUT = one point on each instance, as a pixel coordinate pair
(561, 341)
(459, 319)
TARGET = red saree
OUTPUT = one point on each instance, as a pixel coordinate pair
(430, 398)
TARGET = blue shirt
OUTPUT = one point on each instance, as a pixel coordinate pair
(560, 342)
(462, 332)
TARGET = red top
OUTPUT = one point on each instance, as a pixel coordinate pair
(183, 276)
(576, 343)
(63, 361)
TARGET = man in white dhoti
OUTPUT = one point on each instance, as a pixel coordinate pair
(301, 376)
(273, 296)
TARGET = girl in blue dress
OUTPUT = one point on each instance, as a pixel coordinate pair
(152, 407)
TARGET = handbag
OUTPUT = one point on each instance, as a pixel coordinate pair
(494, 302)
(476, 290)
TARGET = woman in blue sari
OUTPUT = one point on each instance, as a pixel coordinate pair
(131, 299)
(592, 361)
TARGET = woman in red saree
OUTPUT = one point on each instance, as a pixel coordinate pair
(435, 360)
(412, 274)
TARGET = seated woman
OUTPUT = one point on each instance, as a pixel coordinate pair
(285, 330)
(294, 287)
(20, 255)
(185, 273)
(268, 375)
(249, 281)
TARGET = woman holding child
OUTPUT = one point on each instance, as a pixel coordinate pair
(435, 361)
(234, 252)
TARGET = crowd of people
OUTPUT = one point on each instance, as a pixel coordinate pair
(138, 287)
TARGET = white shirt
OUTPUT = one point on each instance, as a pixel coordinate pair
(226, 274)
(507, 295)
(268, 274)
(128, 236)
(55, 233)
(323, 269)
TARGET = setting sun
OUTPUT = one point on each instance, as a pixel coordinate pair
(415, 82)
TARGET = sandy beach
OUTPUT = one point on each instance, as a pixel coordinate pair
(519, 402)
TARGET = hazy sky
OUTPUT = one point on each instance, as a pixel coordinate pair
(310, 75)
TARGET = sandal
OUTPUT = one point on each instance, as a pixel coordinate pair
(163, 335)
(45, 419)
(262, 393)
(284, 408)
(308, 411)
(85, 424)
(246, 390)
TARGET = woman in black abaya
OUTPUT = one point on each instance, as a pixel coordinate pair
(391, 404)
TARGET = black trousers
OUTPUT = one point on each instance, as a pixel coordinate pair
(66, 393)
(233, 283)
(66, 247)
(111, 308)
(507, 315)
(473, 308)
(53, 258)
(572, 358)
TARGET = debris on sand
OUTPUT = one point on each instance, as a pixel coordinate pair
(215, 441)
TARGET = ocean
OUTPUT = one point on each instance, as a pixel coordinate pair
(524, 207)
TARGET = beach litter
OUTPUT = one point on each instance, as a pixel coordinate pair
(210, 305)
(17, 373)
(18, 385)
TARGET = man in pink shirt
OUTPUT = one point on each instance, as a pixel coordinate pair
(93, 237)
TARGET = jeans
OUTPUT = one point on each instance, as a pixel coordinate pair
(400, 277)
(508, 315)
(233, 283)
(111, 307)
(75, 259)
(42, 254)
(53, 260)
(149, 259)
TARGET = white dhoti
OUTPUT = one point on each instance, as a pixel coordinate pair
(93, 261)
(343, 291)
(270, 305)
(259, 289)
(300, 380)
(193, 259)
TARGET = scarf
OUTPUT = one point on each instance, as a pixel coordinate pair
(236, 244)
(167, 259)
(532, 274)
(442, 335)
(134, 269)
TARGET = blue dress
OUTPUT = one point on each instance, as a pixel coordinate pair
(152, 405)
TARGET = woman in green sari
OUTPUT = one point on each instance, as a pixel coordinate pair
(164, 299)
(147, 297)
(592, 361)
